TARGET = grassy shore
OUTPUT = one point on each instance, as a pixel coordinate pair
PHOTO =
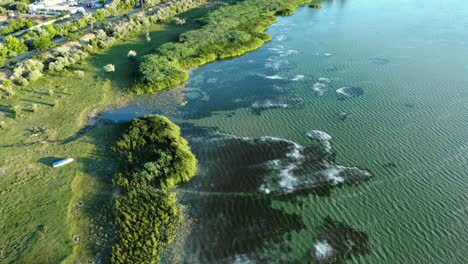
(59, 215)
(44, 209)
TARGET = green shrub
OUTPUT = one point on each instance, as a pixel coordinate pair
(14, 46)
(153, 155)
(159, 73)
(147, 221)
(17, 25)
(156, 155)
(43, 42)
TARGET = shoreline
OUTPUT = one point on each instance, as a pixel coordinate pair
(67, 119)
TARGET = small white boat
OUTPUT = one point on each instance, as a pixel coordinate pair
(62, 162)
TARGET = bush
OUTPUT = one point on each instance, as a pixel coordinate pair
(14, 46)
(43, 42)
(22, 7)
(147, 221)
(79, 74)
(153, 154)
(154, 145)
(109, 68)
(17, 25)
(159, 73)
(27, 71)
(8, 89)
(35, 108)
(17, 109)
(131, 54)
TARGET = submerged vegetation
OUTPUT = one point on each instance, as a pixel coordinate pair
(155, 158)
(230, 31)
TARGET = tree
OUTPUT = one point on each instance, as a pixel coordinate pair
(43, 42)
(22, 7)
(14, 46)
(51, 30)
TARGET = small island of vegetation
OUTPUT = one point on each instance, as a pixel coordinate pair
(154, 159)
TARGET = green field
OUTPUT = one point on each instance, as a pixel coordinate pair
(42, 208)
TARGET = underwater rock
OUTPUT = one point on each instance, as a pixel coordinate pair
(269, 165)
(257, 107)
(337, 241)
(346, 92)
(379, 61)
(390, 165)
(343, 116)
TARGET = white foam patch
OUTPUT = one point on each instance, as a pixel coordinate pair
(282, 51)
(264, 189)
(327, 54)
(298, 77)
(342, 91)
(323, 137)
(320, 135)
(269, 104)
(281, 38)
(212, 80)
(288, 52)
(288, 181)
(276, 64)
(241, 259)
(274, 77)
(333, 174)
(321, 86)
(323, 250)
(324, 80)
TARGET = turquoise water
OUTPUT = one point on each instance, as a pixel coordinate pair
(264, 192)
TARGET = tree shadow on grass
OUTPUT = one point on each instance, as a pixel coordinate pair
(47, 161)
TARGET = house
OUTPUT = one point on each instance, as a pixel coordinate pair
(55, 7)
(50, 2)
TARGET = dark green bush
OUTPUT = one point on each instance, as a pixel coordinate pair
(154, 154)
(17, 25)
(147, 221)
(160, 73)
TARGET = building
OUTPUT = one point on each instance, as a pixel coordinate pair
(55, 7)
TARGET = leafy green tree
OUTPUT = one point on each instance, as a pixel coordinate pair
(43, 42)
(51, 30)
(14, 46)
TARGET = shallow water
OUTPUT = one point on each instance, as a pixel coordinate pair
(270, 186)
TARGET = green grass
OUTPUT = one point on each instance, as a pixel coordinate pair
(39, 211)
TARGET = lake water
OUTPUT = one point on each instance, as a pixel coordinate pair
(388, 82)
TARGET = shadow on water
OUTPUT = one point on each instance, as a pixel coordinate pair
(337, 242)
(238, 181)
(237, 225)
